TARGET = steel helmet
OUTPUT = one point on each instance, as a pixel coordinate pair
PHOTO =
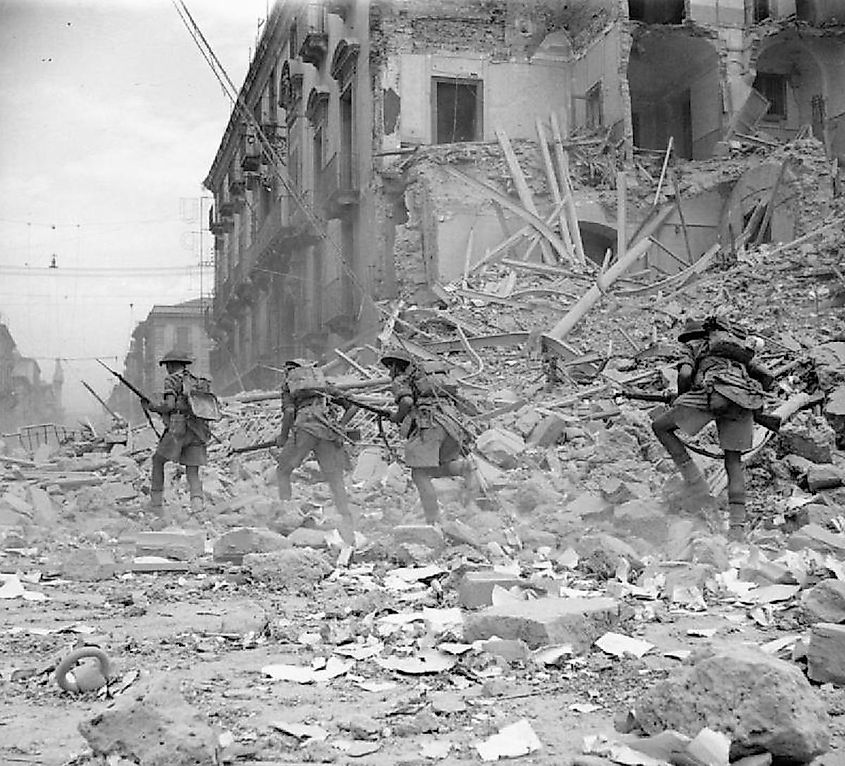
(693, 330)
(174, 355)
(392, 357)
(297, 363)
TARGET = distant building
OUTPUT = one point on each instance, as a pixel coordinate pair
(26, 399)
(179, 327)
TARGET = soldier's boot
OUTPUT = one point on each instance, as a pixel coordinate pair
(196, 504)
(156, 499)
(736, 522)
(694, 479)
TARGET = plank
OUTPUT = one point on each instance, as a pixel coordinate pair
(554, 186)
(566, 190)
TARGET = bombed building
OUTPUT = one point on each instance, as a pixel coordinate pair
(395, 146)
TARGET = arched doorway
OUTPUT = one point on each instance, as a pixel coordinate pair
(789, 77)
(597, 240)
(674, 85)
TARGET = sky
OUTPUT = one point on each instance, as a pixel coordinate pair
(109, 122)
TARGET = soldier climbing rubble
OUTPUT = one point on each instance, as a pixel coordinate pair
(437, 444)
(310, 424)
(186, 407)
(719, 380)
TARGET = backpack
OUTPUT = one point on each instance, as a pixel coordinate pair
(202, 401)
(727, 345)
(302, 380)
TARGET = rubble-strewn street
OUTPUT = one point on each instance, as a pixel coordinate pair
(576, 614)
(419, 475)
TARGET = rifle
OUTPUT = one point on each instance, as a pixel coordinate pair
(380, 412)
(142, 396)
(769, 422)
(108, 409)
(253, 447)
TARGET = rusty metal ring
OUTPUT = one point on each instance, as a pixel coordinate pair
(69, 662)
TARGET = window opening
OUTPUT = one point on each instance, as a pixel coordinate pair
(773, 88)
(595, 116)
(457, 110)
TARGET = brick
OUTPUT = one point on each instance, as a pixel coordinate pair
(547, 432)
(307, 537)
(826, 654)
(823, 476)
(544, 621)
(476, 588)
(88, 565)
(235, 544)
(179, 544)
(419, 534)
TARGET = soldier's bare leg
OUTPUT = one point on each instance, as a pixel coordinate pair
(296, 449)
(157, 481)
(664, 427)
(428, 495)
(736, 494)
(192, 474)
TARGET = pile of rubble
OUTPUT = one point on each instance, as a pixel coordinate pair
(581, 612)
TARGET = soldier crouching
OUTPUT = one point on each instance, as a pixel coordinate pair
(436, 442)
(717, 380)
(309, 426)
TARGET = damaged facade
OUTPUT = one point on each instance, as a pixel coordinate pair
(370, 104)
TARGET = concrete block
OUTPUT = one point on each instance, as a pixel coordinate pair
(500, 446)
(823, 476)
(370, 468)
(461, 534)
(235, 544)
(826, 654)
(544, 621)
(810, 437)
(642, 518)
(476, 588)
(816, 537)
(294, 570)
(419, 534)
(307, 537)
(152, 724)
(824, 602)
(547, 432)
(178, 544)
(44, 509)
(88, 565)
(762, 703)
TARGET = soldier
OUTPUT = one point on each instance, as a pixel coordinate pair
(437, 444)
(309, 425)
(185, 435)
(717, 380)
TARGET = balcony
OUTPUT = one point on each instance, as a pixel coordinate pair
(338, 188)
(315, 43)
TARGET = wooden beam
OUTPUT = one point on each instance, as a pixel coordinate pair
(521, 185)
(554, 187)
(604, 281)
(663, 170)
(677, 186)
(503, 224)
(621, 214)
(770, 203)
(566, 191)
(492, 192)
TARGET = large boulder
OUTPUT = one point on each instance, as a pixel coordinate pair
(152, 725)
(296, 570)
(762, 703)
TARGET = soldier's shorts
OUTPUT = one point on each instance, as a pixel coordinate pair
(186, 449)
(330, 455)
(734, 424)
(431, 447)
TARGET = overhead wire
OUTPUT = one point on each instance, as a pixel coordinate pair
(240, 106)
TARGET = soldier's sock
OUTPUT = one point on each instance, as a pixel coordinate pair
(156, 496)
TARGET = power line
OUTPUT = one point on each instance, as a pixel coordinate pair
(50, 225)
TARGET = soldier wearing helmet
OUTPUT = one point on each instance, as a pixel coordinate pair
(185, 435)
(717, 380)
(310, 424)
(436, 442)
